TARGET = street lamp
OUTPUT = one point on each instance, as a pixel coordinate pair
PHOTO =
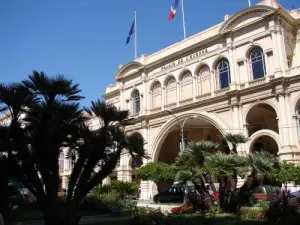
(182, 147)
(181, 129)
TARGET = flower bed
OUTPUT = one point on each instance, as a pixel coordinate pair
(186, 208)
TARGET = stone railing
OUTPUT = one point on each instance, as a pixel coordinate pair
(243, 86)
(203, 96)
(293, 70)
(155, 110)
(186, 101)
(257, 82)
(221, 91)
(171, 105)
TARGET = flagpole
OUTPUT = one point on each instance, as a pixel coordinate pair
(183, 20)
(249, 2)
(135, 35)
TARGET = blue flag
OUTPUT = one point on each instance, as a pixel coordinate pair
(131, 31)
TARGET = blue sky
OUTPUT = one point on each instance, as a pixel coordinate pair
(85, 39)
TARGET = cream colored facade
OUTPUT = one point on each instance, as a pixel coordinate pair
(240, 76)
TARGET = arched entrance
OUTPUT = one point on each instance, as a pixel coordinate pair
(265, 140)
(261, 116)
(197, 127)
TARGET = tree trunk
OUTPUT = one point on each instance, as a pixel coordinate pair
(3, 184)
(209, 180)
(204, 200)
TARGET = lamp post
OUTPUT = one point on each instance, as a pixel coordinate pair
(181, 129)
(182, 147)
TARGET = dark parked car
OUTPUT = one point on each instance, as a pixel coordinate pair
(296, 194)
(170, 194)
(265, 192)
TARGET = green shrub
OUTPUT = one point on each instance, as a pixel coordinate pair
(123, 188)
(253, 212)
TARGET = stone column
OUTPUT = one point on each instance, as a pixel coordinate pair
(212, 82)
(286, 150)
(194, 87)
(178, 89)
(296, 128)
(281, 46)
(276, 53)
(106, 180)
(150, 102)
(145, 97)
(163, 98)
(232, 63)
(122, 97)
(235, 117)
(124, 174)
(267, 63)
(289, 118)
(297, 49)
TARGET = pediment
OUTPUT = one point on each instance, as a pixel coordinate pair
(128, 69)
(246, 17)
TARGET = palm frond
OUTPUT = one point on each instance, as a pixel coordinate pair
(236, 138)
(195, 152)
(224, 165)
(106, 112)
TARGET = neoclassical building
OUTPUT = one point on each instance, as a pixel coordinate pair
(239, 76)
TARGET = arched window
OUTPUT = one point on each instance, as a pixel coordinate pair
(223, 73)
(136, 102)
(203, 80)
(257, 63)
(171, 88)
(186, 85)
(156, 95)
(61, 162)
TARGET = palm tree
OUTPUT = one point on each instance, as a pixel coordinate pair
(261, 165)
(46, 118)
(124, 188)
(190, 163)
(225, 167)
(235, 140)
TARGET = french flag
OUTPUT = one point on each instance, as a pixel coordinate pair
(173, 9)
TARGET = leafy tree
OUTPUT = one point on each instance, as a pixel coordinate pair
(157, 172)
(288, 172)
(45, 118)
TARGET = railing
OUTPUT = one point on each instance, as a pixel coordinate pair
(221, 91)
(186, 101)
(203, 96)
(171, 105)
(292, 70)
(257, 82)
(155, 110)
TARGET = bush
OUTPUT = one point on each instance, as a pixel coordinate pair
(121, 188)
(253, 213)
(284, 208)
